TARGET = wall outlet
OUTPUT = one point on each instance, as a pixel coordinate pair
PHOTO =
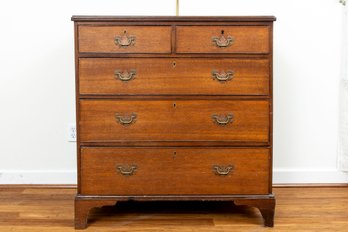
(72, 132)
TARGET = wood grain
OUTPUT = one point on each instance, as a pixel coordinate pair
(174, 120)
(184, 167)
(171, 114)
(246, 39)
(175, 76)
(298, 209)
(149, 39)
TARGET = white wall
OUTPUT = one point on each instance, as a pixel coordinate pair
(37, 83)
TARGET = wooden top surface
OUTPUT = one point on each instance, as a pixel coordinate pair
(108, 18)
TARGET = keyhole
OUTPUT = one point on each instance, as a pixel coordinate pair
(222, 32)
(174, 64)
(124, 31)
(174, 105)
(174, 154)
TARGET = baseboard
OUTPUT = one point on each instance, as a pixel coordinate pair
(309, 176)
(38, 186)
(68, 177)
(312, 185)
(37, 177)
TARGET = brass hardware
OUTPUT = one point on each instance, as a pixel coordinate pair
(174, 64)
(223, 76)
(222, 120)
(222, 41)
(126, 119)
(222, 170)
(126, 170)
(124, 40)
(125, 76)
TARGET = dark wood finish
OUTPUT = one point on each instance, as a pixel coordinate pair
(158, 19)
(174, 97)
(155, 167)
(174, 120)
(148, 39)
(173, 55)
(174, 76)
(271, 103)
(77, 100)
(181, 197)
(180, 143)
(245, 39)
(164, 114)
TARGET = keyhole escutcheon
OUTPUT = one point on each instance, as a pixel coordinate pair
(174, 64)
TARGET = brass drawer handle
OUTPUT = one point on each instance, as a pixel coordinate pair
(125, 40)
(222, 76)
(222, 170)
(223, 41)
(126, 170)
(222, 120)
(126, 119)
(125, 76)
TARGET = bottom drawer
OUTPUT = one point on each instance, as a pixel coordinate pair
(173, 171)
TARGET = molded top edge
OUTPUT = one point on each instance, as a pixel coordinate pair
(109, 18)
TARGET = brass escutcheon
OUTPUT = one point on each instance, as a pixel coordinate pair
(126, 120)
(222, 76)
(125, 75)
(221, 170)
(126, 170)
(222, 120)
(124, 40)
(222, 41)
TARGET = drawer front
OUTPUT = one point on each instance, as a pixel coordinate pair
(125, 39)
(174, 76)
(166, 171)
(222, 39)
(171, 120)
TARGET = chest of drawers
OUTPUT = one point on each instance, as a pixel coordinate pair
(174, 108)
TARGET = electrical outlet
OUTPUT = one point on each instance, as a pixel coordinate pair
(72, 132)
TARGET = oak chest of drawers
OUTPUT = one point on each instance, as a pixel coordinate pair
(174, 108)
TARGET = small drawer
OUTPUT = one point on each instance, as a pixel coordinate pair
(222, 39)
(124, 39)
(174, 120)
(174, 76)
(174, 171)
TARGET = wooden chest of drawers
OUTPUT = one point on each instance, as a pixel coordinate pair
(174, 108)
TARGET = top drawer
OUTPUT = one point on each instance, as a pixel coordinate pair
(222, 39)
(125, 39)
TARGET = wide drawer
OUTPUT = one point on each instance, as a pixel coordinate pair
(125, 39)
(185, 76)
(174, 120)
(222, 39)
(169, 171)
